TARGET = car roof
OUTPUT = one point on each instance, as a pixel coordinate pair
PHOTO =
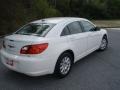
(57, 20)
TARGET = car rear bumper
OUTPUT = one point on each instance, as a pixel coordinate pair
(32, 66)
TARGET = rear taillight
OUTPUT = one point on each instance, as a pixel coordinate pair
(34, 49)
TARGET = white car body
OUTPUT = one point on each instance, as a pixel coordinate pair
(80, 44)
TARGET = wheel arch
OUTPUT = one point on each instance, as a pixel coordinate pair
(66, 51)
(105, 36)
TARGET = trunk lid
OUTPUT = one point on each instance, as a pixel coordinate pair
(15, 42)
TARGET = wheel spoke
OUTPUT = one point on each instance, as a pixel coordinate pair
(65, 65)
(103, 44)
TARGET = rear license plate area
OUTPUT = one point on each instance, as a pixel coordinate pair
(9, 62)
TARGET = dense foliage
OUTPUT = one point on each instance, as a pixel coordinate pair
(15, 13)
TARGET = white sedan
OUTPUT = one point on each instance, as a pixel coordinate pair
(51, 46)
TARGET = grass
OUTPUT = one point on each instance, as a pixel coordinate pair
(107, 23)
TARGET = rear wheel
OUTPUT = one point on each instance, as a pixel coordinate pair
(63, 65)
(104, 44)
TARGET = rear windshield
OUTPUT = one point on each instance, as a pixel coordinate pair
(35, 29)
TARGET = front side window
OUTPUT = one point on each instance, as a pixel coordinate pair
(35, 29)
(87, 26)
(75, 28)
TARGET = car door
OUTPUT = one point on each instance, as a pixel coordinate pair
(93, 40)
(77, 39)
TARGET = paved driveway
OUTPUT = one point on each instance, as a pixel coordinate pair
(98, 71)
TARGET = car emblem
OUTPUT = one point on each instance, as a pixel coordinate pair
(12, 40)
(11, 46)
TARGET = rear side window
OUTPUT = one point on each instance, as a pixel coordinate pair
(75, 28)
(65, 32)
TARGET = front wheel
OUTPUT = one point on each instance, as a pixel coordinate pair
(104, 44)
(63, 65)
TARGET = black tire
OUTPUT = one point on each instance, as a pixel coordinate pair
(59, 69)
(104, 44)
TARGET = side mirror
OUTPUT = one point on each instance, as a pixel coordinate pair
(95, 29)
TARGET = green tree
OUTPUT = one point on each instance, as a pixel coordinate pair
(113, 8)
(16, 13)
(42, 9)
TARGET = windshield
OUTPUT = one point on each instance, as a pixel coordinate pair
(35, 29)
